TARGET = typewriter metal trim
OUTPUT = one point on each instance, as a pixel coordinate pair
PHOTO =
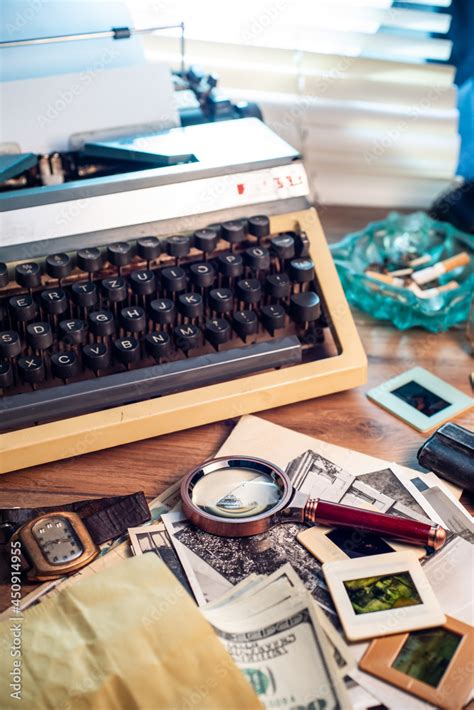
(141, 420)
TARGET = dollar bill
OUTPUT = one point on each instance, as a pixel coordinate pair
(280, 645)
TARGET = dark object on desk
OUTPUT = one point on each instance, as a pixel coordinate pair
(456, 207)
(449, 452)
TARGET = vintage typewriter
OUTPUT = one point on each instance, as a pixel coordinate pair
(138, 300)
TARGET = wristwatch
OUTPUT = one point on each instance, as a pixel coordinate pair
(59, 540)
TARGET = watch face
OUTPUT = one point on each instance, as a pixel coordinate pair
(57, 540)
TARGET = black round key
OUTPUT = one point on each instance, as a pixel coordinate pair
(230, 265)
(39, 335)
(158, 345)
(143, 282)
(273, 317)
(301, 270)
(119, 253)
(259, 226)
(257, 258)
(249, 290)
(65, 365)
(191, 305)
(206, 239)
(218, 331)
(10, 343)
(28, 275)
(101, 323)
(178, 246)
(127, 350)
(221, 300)
(245, 323)
(162, 311)
(202, 274)
(22, 308)
(234, 231)
(54, 301)
(73, 331)
(278, 285)
(173, 279)
(305, 307)
(31, 369)
(96, 356)
(115, 289)
(283, 246)
(133, 319)
(148, 248)
(84, 294)
(302, 244)
(187, 337)
(58, 265)
(90, 260)
(6, 374)
(3, 275)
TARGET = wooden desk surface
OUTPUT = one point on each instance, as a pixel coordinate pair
(346, 418)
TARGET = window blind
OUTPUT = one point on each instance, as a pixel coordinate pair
(361, 87)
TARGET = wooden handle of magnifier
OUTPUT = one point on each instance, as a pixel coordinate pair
(336, 515)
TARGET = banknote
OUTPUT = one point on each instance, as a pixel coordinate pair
(280, 646)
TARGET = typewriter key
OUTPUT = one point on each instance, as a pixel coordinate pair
(58, 266)
(187, 337)
(234, 231)
(3, 275)
(162, 311)
(218, 331)
(178, 246)
(283, 246)
(22, 308)
(31, 369)
(305, 307)
(28, 275)
(127, 350)
(84, 294)
(173, 279)
(206, 240)
(221, 300)
(257, 258)
(245, 323)
(273, 317)
(96, 356)
(191, 305)
(230, 265)
(202, 275)
(133, 319)
(149, 248)
(278, 285)
(10, 343)
(101, 323)
(90, 260)
(54, 301)
(39, 336)
(158, 345)
(115, 290)
(6, 374)
(73, 331)
(64, 365)
(301, 270)
(249, 291)
(143, 282)
(259, 226)
(119, 254)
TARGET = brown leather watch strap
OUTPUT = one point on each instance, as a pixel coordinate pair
(105, 518)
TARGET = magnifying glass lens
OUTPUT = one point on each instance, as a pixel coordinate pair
(236, 493)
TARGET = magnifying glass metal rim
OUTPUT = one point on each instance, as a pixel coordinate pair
(233, 527)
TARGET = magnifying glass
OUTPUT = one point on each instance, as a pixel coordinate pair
(239, 496)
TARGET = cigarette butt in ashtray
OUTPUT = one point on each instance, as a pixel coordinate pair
(431, 273)
(386, 279)
(433, 292)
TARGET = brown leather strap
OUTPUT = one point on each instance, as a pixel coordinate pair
(105, 518)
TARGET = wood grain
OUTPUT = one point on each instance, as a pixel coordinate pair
(347, 418)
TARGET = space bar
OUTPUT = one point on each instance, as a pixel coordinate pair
(136, 385)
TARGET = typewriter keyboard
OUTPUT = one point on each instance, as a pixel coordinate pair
(154, 316)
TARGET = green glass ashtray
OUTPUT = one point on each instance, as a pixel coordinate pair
(409, 269)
